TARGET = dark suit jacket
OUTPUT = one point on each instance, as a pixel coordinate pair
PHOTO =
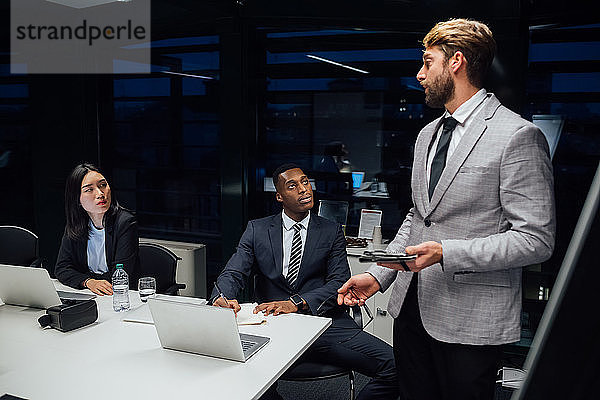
(324, 267)
(121, 247)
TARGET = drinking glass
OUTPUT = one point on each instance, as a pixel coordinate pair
(147, 288)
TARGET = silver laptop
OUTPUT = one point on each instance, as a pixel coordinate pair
(32, 287)
(202, 329)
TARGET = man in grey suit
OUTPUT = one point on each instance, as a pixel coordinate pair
(483, 208)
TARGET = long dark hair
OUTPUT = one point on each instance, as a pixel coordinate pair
(78, 227)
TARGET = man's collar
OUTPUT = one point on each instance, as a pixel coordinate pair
(466, 109)
(288, 223)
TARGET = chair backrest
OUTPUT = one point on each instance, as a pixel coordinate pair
(18, 246)
(333, 183)
(159, 262)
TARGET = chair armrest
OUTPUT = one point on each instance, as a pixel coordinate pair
(357, 315)
(173, 289)
(38, 263)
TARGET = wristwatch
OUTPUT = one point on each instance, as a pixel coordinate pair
(297, 300)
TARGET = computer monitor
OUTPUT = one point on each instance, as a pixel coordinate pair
(268, 185)
(369, 219)
(357, 179)
(564, 359)
(334, 210)
(551, 126)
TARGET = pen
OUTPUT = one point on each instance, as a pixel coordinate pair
(223, 296)
(221, 293)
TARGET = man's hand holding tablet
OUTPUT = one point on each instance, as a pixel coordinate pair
(415, 258)
(390, 260)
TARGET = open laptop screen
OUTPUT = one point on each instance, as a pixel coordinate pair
(202, 329)
(32, 287)
(27, 286)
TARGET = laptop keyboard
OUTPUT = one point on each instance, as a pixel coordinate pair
(246, 344)
(251, 344)
(66, 297)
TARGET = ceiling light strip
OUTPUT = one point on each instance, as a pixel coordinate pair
(188, 75)
(337, 63)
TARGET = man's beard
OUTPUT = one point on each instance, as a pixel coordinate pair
(440, 91)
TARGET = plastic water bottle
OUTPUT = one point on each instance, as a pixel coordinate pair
(120, 284)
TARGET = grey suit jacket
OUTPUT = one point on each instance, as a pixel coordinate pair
(493, 212)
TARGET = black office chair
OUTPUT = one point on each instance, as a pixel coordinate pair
(19, 246)
(161, 263)
(313, 371)
(302, 371)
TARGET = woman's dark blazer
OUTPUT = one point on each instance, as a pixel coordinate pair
(121, 246)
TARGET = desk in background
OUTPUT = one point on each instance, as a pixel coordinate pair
(383, 323)
(116, 359)
(365, 191)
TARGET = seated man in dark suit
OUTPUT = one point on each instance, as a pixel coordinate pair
(300, 261)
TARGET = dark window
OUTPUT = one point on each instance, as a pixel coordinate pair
(357, 87)
(165, 156)
(564, 82)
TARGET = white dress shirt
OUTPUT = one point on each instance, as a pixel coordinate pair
(288, 235)
(96, 255)
(463, 115)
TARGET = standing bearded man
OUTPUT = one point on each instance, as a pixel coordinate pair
(483, 208)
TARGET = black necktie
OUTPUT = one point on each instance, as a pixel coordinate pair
(439, 160)
(295, 256)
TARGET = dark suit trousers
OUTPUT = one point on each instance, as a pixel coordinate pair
(430, 369)
(363, 353)
(360, 351)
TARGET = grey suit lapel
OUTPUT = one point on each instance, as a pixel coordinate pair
(464, 148)
(457, 159)
(421, 165)
(276, 239)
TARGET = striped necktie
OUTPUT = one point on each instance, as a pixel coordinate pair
(295, 255)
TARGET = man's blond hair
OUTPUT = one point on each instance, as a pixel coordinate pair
(472, 38)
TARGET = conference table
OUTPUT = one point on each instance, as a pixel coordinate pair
(117, 359)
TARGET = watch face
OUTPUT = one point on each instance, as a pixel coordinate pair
(296, 299)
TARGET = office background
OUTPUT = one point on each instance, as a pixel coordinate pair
(190, 153)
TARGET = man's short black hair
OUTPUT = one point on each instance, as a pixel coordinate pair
(280, 170)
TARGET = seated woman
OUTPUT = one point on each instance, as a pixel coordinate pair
(99, 234)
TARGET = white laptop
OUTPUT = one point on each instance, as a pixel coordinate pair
(202, 329)
(32, 287)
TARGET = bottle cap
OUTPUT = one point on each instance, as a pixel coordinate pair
(119, 266)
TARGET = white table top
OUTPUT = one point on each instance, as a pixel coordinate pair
(116, 359)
